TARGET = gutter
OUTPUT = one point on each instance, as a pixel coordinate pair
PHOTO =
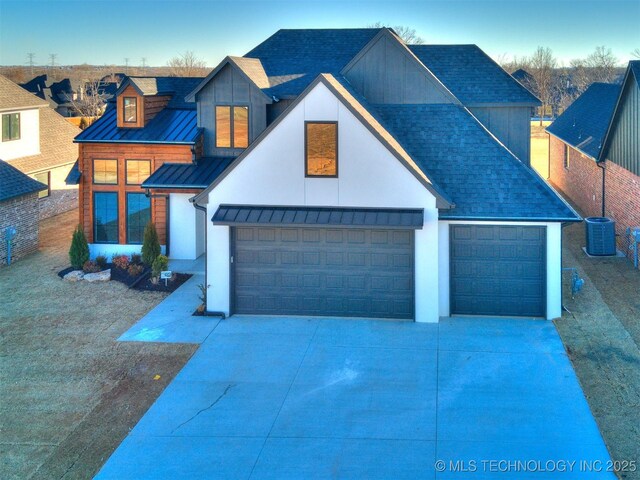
(510, 219)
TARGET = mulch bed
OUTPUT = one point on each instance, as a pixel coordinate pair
(142, 281)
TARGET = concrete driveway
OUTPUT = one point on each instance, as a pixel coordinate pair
(329, 398)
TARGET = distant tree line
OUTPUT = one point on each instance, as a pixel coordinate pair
(557, 85)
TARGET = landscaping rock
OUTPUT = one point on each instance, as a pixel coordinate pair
(103, 276)
(74, 276)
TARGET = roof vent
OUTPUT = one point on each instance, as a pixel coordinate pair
(601, 236)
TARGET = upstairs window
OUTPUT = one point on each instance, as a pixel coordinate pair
(232, 127)
(137, 171)
(10, 127)
(105, 172)
(567, 151)
(321, 149)
(130, 109)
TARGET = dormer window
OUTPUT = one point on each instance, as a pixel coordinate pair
(321, 149)
(130, 109)
(232, 127)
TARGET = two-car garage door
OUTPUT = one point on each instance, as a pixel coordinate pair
(323, 271)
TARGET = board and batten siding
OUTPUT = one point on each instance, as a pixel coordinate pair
(229, 87)
(509, 124)
(388, 74)
(624, 145)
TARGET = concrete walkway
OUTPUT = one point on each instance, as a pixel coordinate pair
(172, 320)
(282, 397)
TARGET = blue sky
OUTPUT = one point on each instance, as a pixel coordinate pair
(105, 32)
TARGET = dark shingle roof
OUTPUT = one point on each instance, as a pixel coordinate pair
(168, 126)
(472, 75)
(584, 124)
(292, 59)
(188, 175)
(483, 178)
(14, 183)
(177, 87)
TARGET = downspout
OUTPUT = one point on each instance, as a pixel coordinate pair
(600, 165)
(167, 217)
(206, 269)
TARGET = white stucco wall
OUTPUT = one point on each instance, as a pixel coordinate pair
(369, 176)
(184, 229)
(554, 264)
(111, 249)
(29, 142)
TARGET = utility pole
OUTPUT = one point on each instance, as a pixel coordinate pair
(30, 60)
(144, 62)
(126, 66)
(52, 59)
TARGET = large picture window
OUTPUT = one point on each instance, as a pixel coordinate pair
(105, 217)
(130, 109)
(10, 127)
(232, 127)
(321, 149)
(138, 215)
(105, 172)
(138, 171)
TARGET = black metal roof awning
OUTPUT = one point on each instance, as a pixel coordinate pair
(260, 215)
(73, 177)
(187, 175)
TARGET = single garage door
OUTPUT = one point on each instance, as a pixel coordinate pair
(352, 272)
(498, 270)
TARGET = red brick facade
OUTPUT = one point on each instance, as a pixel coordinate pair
(581, 182)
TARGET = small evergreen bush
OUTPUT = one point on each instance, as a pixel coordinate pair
(79, 251)
(159, 264)
(101, 261)
(150, 245)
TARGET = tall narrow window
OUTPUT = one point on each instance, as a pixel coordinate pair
(105, 172)
(105, 217)
(232, 127)
(130, 109)
(137, 171)
(44, 177)
(10, 127)
(567, 151)
(138, 215)
(321, 149)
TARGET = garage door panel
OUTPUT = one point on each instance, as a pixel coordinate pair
(498, 270)
(338, 272)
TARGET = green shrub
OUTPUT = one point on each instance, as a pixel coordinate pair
(150, 245)
(101, 261)
(134, 270)
(136, 258)
(90, 267)
(160, 264)
(120, 261)
(79, 251)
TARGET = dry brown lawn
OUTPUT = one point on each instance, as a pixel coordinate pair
(69, 392)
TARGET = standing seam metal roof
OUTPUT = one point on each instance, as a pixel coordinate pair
(168, 126)
(188, 175)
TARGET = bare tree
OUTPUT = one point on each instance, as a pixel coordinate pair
(91, 100)
(186, 65)
(543, 64)
(407, 34)
(516, 63)
(603, 64)
(636, 53)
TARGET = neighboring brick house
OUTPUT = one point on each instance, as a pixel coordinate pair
(38, 142)
(18, 211)
(594, 153)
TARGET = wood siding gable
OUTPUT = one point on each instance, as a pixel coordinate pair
(230, 87)
(387, 72)
(622, 142)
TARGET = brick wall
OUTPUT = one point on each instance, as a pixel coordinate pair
(63, 197)
(622, 199)
(581, 182)
(21, 213)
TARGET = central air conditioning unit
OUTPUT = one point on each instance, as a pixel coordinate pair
(601, 236)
